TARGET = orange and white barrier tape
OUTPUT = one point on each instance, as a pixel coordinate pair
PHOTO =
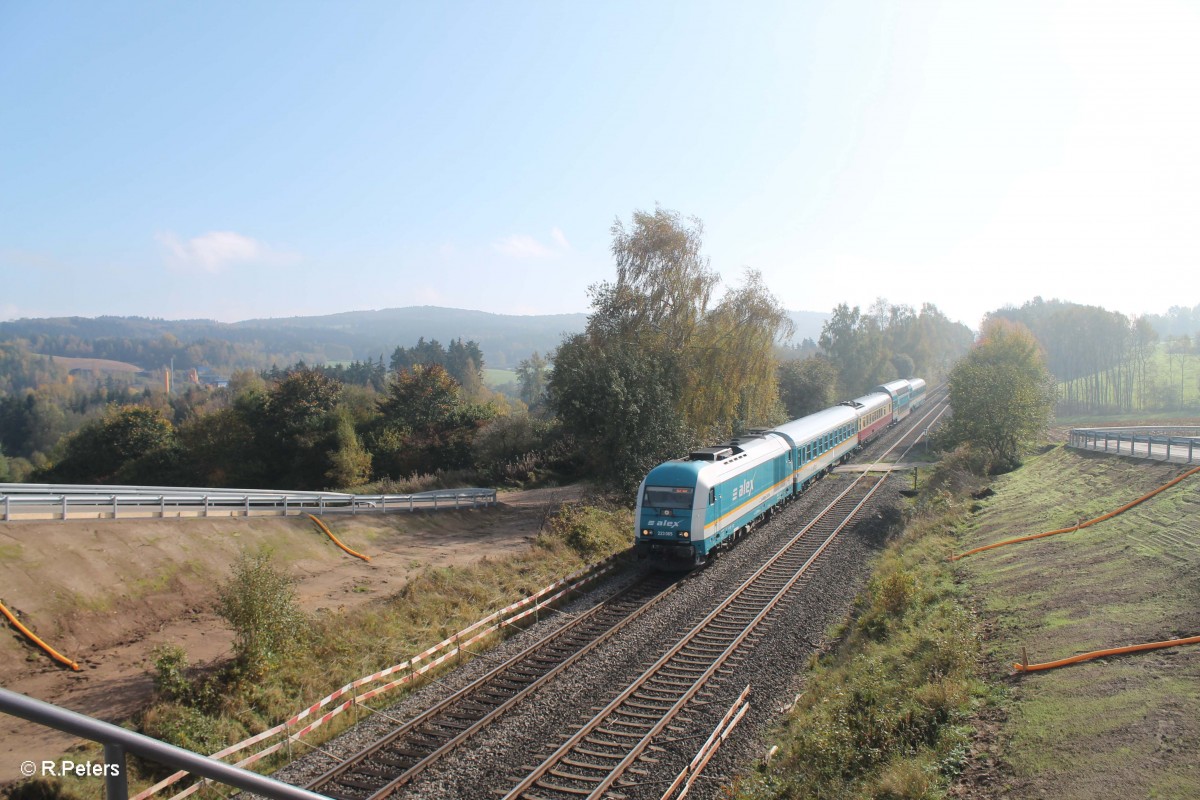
(452, 645)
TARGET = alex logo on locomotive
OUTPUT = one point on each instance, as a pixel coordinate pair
(745, 490)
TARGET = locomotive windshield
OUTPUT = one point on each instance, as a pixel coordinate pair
(667, 497)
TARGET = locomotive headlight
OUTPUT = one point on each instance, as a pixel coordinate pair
(666, 512)
(645, 533)
(684, 534)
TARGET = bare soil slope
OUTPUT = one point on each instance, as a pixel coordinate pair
(106, 593)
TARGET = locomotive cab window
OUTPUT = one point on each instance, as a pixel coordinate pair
(712, 496)
(668, 497)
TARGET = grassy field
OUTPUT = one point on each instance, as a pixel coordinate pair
(1111, 728)
(498, 377)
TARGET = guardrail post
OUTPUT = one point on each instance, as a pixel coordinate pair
(64, 504)
(410, 502)
(247, 499)
(7, 514)
(206, 505)
(321, 507)
(285, 505)
(114, 502)
(116, 783)
(162, 506)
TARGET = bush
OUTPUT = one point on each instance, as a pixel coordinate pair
(170, 673)
(592, 531)
(190, 728)
(260, 605)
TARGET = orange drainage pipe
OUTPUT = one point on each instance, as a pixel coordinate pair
(1115, 651)
(57, 656)
(337, 541)
(1090, 522)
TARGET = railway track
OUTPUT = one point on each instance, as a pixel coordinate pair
(597, 757)
(603, 755)
(409, 749)
(645, 709)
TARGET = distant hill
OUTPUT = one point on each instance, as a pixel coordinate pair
(505, 339)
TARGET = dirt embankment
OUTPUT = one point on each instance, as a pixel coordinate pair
(107, 593)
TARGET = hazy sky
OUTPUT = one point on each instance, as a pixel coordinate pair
(232, 160)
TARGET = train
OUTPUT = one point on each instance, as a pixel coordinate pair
(690, 508)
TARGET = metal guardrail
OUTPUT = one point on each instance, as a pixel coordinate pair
(1176, 444)
(57, 501)
(118, 741)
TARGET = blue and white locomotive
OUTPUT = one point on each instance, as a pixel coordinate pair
(691, 507)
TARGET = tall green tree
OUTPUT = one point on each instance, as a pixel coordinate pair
(659, 367)
(532, 376)
(1001, 394)
(296, 426)
(425, 424)
(621, 401)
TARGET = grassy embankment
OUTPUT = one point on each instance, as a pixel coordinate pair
(1112, 728)
(206, 712)
(892, 711)
(886, 712)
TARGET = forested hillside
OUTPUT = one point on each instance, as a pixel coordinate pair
(260, 343)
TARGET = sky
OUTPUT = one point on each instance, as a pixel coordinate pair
(229, 161)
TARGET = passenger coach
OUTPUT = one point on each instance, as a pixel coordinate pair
(901, 394)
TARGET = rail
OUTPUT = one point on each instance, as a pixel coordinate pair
(1176, 444)
(63, 502)
(118, 742)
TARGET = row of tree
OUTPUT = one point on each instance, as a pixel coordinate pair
(304, 431)
(1105, 361)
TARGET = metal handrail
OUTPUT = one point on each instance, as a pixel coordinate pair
(1148, 435)
(118, 741)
